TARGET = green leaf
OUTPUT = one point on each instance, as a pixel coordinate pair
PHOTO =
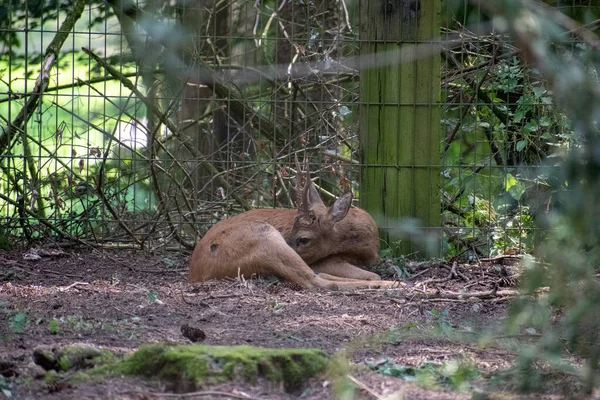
(509, 181)
(519, 115)
(538, 91)
(17, 322)
(521, 145)
(516, 191)
(532, 126)
(53, 326)
(514, 187)
(388, 367)
(20, 317)
(383, 253)
(545, 121)
(152, 296)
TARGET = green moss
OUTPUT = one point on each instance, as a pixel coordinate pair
(82, 357)
(192, 365)
(64, 364)
(51, 376)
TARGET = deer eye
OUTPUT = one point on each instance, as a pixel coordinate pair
(302, 242)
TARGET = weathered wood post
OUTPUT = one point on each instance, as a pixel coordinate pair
(400, 118)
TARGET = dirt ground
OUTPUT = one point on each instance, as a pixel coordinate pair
(121, 299)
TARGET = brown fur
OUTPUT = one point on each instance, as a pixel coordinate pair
(314, 246)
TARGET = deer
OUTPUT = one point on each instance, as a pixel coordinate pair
(314, 246)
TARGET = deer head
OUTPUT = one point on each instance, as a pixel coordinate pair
(314, 231)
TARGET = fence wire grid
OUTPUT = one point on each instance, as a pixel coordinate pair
(142, 123)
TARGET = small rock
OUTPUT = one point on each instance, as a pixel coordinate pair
(192, 333)
(44, 357)
(8, 369)
(31, 256)
(35, 370)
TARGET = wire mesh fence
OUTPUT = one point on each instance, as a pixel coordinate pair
(142, 123)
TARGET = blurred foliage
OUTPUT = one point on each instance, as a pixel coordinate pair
(561, 288)
(455, 374)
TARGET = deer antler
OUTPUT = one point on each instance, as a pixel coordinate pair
(302, 201)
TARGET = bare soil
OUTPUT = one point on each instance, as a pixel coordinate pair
(121, 299)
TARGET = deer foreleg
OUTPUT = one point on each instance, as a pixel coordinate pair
(337, 266)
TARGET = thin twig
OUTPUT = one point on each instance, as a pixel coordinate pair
(456, 273)
(74, 284)
(364, 387)
(192, 394)
(49, 271)
(161, 271)
(503, 257)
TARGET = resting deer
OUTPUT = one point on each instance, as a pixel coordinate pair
(315, 246)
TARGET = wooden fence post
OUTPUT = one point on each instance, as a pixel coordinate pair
(400, 119)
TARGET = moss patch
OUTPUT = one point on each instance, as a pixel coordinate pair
(187, 366)
(63, 359)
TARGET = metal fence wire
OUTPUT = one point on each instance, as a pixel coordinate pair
(132, 123)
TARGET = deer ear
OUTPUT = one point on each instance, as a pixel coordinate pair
(340, 208)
